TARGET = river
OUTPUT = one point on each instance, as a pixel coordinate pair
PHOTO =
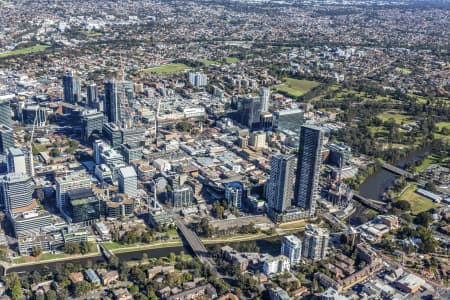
(375, 185)
(271, 246)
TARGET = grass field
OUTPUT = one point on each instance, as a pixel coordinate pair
(295, 87)
(113, 245)
(166, 69)
(404, 71)
(42, 257)
(428, 161)
(158, 245)
(208, 62)
(418, 202)
(231, 59)
(23, 51)
(399, 118)
(378, 131)
(438, 134)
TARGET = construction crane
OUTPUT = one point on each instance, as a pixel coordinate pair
(158, 106)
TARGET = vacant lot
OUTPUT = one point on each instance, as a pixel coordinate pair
(167, 69)
(23, 51)
(295, 87)
(418, 202)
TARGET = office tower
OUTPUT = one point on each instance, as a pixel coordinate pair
(234, 193)
(6, 138)
(198, 79)
(249, 112)
(264, 98)
(118, 94)
(91, 125)
(128, 181)
(72, 87)
(67, 183)
(266, 121)
(308, 168)
(99, 146)
(30, 223)
(131, 153)
(340, 154)
(288, 120)
(17, 191)
(119, 205)
(292, 248)
(280, 190)
(315, 242)
(92, 95)
(133, 136)
(33, 114)
(16, 161)
(112, 134)
(182, 196)
(5, 113)
(83, 206)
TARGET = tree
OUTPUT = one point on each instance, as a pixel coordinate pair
(16, 291)
(430, 186)
(172, 257)
(423, 218)
(36, 251)
(81, 288)
(402, 204)
(55, 152)
(152, 295)
(50, 295)
(71, 248)
(184, 126)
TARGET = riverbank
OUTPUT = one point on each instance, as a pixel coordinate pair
(131, 252)
(49, 258)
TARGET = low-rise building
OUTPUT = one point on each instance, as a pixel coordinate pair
(276, 265)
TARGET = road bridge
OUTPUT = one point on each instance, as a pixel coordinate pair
(397, 171)
(106, 253)
(374, 204)
(196, 244)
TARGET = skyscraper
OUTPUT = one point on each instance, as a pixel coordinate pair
(315, 242)
(117, 96)
(308, 168)
(16, 161)
(292, 248)
(249, 112)
(92, 95)
(198, 79)
(91, 123)
(281, 182)
(67, 183)
(72, 87)
(5, 113)
(6, 138)
(264, 98)
(17, 191)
